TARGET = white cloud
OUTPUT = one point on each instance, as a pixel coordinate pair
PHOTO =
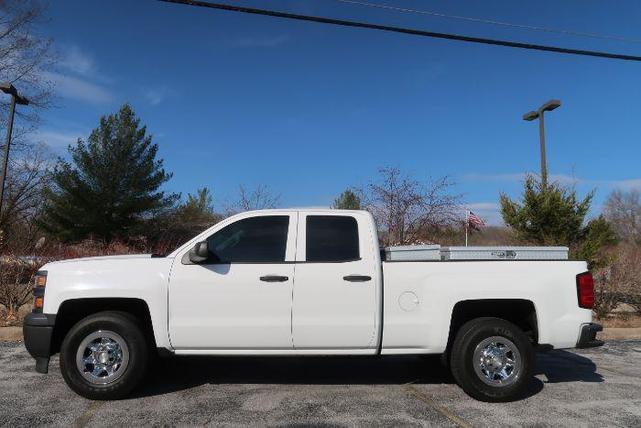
(77, 61)
(483, 206)
(157, 95)
(627, 184)
(57, 139)
(77, 77)
(631, 184)
(79, 89)
(259, 42)
(494, 177)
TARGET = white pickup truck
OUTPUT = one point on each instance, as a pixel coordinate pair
(304, 282)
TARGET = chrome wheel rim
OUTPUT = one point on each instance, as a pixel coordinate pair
(102, 357)
(497, 361)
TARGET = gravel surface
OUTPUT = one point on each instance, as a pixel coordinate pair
(595, 387)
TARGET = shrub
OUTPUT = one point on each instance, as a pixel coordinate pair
(18, 268)
(620, 281)
(16, 283)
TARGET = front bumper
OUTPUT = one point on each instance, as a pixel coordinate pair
(587, 337)
(38, 331)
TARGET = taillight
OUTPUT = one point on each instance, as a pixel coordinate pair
(585, 290)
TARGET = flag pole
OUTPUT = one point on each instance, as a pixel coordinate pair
(467, 223)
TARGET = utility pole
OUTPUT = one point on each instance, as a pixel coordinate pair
(8, 88)
(539, 114)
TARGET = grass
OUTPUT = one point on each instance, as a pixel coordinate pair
(621, 321)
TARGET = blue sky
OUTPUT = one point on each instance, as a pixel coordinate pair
(311, 109)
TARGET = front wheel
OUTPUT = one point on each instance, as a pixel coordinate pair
(104, 356)
(492, 360)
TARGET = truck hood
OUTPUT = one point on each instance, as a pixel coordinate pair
(122, 265)
(104, 258)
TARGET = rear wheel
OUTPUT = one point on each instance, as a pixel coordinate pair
(492, 360)
(104, 356)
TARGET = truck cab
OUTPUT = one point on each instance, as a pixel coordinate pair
(277, 281)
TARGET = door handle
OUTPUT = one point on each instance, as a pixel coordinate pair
(357, 278)
(274, 278)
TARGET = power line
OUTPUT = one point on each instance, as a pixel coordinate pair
(493, 22)
(403, 30)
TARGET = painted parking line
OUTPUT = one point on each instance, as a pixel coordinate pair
(84, 419)
(457, 420)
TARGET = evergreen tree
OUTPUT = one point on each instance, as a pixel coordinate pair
(553, 215)
(597, 234)
(111, 185)
(199, 208)
(548, 215)
(348, 200)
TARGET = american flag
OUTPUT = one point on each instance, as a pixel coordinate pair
(474, 221)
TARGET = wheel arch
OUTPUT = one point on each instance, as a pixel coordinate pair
(521, 312)
(72, 311)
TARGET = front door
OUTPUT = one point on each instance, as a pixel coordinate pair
(240, 298)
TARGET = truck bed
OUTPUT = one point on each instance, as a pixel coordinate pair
(420, 297)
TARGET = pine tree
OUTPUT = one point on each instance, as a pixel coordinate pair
(111, 185)
(548, 214)
(553, 215)
(597, 234)
(198, 209)
(348, 200)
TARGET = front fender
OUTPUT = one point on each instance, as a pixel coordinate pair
(144, 279)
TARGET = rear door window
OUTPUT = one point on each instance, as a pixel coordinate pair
(331, 238)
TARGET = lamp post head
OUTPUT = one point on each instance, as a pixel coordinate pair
(9, 89)
(22, 100)
(550, 105)
(529, 116)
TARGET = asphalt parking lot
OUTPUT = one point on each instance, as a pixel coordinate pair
(596, 387)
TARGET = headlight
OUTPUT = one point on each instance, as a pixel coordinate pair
(41, 278)
(39, 290)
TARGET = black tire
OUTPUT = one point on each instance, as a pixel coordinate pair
(481, 383)
(125, 327)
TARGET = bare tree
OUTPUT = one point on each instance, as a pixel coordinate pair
(258, 198)
(24, 55)
(407, 210)
(24, 59)
(623, 211)
(23, 198)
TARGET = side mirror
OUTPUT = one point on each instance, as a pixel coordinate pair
(199, 253)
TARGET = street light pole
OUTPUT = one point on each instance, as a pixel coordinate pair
(540, 114)
(7, 88)
(544, 163)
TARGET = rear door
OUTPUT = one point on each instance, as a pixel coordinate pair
(335, 293)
